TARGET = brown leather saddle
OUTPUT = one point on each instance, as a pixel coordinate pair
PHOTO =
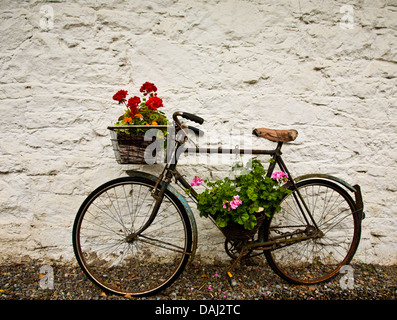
(276, 135)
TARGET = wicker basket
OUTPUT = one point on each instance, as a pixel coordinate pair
(234, 231)
(132, 148)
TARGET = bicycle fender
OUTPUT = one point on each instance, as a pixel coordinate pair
(149, 176)
(326, 177)
(356, 189)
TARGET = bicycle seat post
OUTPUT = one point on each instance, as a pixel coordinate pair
(277, 153)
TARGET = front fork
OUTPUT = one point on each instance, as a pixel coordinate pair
(157, 194)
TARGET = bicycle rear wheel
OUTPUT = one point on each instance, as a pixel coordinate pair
(320, 257)
(144, 265)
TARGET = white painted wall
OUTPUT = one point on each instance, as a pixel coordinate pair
(326, 68)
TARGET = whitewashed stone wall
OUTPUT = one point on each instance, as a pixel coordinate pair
(326, 68)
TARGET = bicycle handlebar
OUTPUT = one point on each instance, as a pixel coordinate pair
(188, 116)
(191, 117)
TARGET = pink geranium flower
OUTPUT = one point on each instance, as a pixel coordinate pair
(236, 202)
(232, 204)
(196, 181)
(279, 175)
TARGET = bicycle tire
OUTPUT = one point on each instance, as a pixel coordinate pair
(319, 259)
(149, 263)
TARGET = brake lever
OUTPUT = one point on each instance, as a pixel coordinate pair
(197, 131)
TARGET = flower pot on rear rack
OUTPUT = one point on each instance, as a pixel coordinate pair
(137, 145)
(236, 232)
(249, 198)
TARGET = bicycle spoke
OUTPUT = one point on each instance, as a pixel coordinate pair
(161, 244)
(336, 221)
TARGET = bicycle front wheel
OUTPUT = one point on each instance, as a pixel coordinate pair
(311, 252)
(145, 264)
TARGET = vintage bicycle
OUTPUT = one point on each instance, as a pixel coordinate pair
(135, 235)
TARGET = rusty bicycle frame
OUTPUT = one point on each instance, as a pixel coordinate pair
(310, 230)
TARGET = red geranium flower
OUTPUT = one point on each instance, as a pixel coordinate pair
(133, 102)
(154, 103)
(133, 111)
(148, 87)
(120, 96)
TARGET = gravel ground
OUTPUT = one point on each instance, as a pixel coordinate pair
(200, 282)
